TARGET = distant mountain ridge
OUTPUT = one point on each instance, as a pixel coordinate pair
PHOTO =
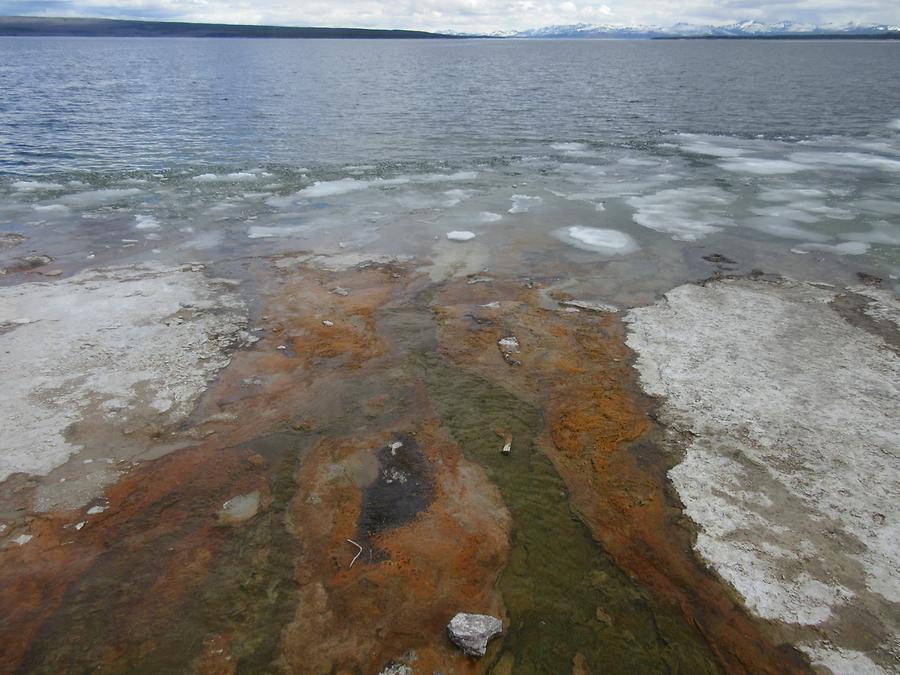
(22, 26)
(92, 27)
(741, 29)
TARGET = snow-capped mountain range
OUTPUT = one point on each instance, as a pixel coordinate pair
(749, 28)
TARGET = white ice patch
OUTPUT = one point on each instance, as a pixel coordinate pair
(489, 217)
(455, 197)
(703, 148)
(763, 167)
(522, 203)
(342, 186)
(882, 232)
(146, 222)
(879, 206)
(204, 241)
(637, 161)
(34, 186)
(568, 147)
(687, 214)
(819, 208)
(846, 160)
(574, 149)
(51, 209)
(609, 242)
(460, 235)
(439, 177)
(790, 194)
(236, 177)
(784, 228)
(268, 232)
(786, 213)
(99, 197)
(331, 188)
(847, 248)
(580, 171)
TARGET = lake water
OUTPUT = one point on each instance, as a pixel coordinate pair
(492, 182)
(782, 156)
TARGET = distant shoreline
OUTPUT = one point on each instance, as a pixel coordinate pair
(30, 26)
(893, 35)
(34, 26)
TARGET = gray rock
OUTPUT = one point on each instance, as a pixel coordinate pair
(10, 239)
(472, 632)
(397, 669)
(588, 306)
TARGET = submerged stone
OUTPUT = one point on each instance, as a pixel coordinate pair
(396, 669)
(239, 509)
(508, 345)
(472, 632)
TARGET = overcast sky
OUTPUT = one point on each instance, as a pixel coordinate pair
(465, 15)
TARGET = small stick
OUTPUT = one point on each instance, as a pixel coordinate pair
(507, 440)
(358, 554)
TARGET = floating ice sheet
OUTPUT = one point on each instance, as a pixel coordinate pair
(784, 228)
(847, 248)
(269, 232)
(92, 198)
(460, 235)
(687, 213)
(763, 167)
(523, 203)
(609, 242)
(34, 186)
(146, 222)
(843, 160)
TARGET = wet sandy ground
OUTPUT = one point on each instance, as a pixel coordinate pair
(369, 419)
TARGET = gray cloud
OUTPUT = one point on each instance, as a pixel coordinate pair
(466, 15)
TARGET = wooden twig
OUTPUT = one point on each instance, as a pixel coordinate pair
(507, 440)
(359, 553)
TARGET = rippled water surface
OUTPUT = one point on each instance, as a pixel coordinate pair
(645, 155)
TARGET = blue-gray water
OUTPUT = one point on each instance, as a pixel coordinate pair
(781, 155)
